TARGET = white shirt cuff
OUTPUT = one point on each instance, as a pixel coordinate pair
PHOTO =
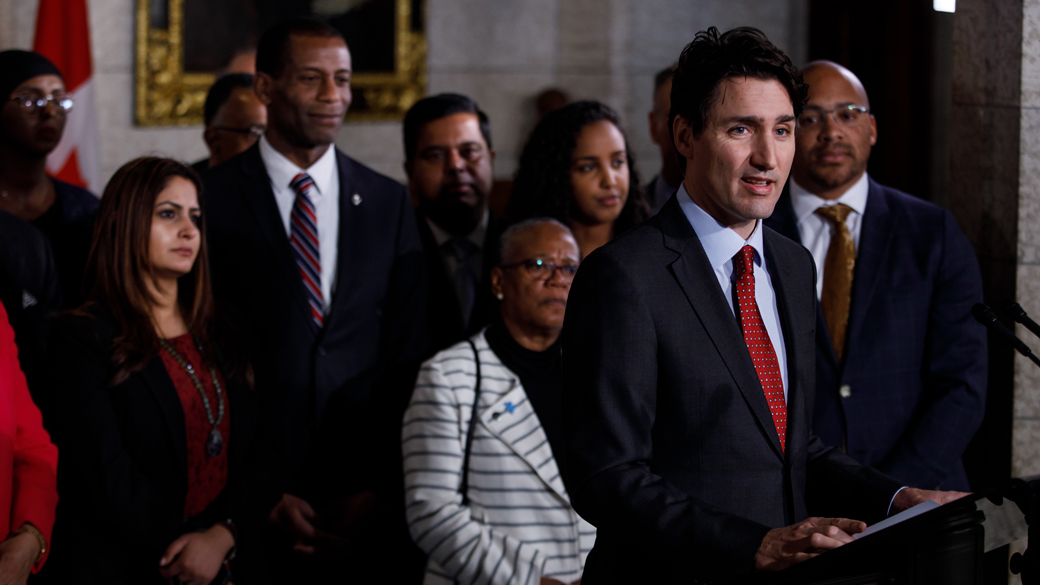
(893, 500)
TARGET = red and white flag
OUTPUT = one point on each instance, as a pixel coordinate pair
(63, 36)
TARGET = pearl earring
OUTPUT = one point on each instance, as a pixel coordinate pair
(500, 296)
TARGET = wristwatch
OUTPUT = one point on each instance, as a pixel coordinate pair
(30, 529)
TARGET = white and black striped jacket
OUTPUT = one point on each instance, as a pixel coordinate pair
(519, 525)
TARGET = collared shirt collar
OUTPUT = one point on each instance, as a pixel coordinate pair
(720, 243)
(281, 170)
(476, 236)
(806, 203)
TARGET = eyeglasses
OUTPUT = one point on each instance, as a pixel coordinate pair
(256, 130)
(847, 115)
(33, 101)
(544, 270)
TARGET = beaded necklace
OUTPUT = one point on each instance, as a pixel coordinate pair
(215, 440)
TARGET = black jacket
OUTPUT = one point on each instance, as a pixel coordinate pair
(335, 395)
(29, 290)
(445, 315)
(123, 474)
(673, 454)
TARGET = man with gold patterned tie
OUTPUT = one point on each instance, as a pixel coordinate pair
(900, 364)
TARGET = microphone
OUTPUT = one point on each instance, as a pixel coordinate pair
(987, 317)
(1016, 312)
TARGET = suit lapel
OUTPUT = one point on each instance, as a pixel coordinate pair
(158, 381)
(513, 420)
(697, 280)
(875, 240)
(787, 291)
(258, 197)
(348, 238)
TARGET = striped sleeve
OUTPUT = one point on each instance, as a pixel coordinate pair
(433, 438)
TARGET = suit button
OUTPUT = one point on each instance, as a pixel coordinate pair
(321, 351)
(845, 391)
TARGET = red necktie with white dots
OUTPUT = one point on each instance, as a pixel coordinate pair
(757, 339)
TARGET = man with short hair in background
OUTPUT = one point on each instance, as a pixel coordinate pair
(321, 256)
(900, 362)
(448, 159)
(667, 182)
(235, 119)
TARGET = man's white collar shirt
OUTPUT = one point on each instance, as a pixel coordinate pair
(815, 231)
(721, 244)
(325, 196)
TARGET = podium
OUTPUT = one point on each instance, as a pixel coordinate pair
(944, 546)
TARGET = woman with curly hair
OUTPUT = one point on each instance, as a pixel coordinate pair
(577, 168)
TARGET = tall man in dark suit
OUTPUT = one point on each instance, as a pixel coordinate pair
(448, 159)
(689, 354)
(900, 363)
(322, 256)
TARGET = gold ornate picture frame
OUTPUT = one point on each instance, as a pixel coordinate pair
(166, 95)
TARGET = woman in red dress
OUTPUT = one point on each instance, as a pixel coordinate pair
(156, 417)
(28, 464)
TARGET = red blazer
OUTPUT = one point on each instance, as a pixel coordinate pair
(28, 459)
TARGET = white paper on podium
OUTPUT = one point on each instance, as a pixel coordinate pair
(917, 510)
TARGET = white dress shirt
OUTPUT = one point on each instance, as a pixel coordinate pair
(815, 231)
(721, 244)
(325, 197)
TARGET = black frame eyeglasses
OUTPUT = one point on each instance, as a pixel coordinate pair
(256, 130)
(543, 269)
(33, 101)
(845, 115)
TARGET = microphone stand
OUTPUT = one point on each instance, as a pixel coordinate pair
(1016, 312)
(987, 317)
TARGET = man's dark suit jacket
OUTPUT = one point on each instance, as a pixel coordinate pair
(915, 359)
(123, 476)
(673, 453)
(444, 312)
(337, 393)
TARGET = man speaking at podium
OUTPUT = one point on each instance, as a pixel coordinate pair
(689, 355)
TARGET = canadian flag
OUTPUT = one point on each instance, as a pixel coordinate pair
(63, 36)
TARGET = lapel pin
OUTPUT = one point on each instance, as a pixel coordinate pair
(356, 200)
(510, 407)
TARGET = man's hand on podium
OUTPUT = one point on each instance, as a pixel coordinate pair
(790, 545)
(909, 497)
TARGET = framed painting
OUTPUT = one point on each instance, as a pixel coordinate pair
(183, 45)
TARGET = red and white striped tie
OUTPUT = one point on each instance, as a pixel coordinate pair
(303, 237)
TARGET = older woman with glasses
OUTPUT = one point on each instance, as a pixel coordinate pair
(32, 120)
(482, 435)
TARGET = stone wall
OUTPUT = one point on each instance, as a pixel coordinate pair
(502, 53)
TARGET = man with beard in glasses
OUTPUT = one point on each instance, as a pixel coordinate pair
(900, 364)
(448, 159)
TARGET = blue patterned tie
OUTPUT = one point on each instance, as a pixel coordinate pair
(303, 237)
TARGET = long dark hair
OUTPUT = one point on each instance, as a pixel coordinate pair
(542, 187)
(119, 264)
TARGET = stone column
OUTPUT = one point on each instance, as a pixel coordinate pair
(995, 194)
(1025, 459)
